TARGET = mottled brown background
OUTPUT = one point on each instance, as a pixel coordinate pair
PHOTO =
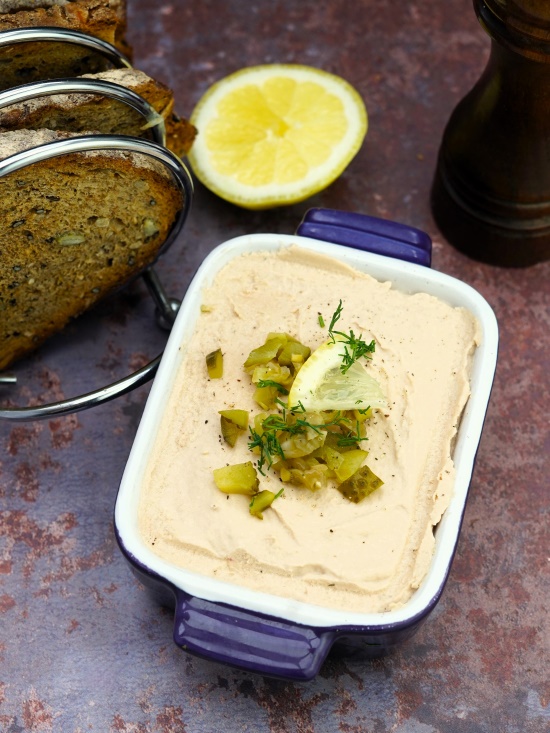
(82, 648)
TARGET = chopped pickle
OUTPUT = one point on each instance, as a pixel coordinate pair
(272, 372)
(266, 396)
(281, 335)
(241, 478)
(273, 381)
(214, 364)
(259, 422)
(362, 415)
(292, 353)
(303, 443)
(307, 449)
(230, 431)
(334, 416)
(330, 456)
(353, 460)
(233, 423)
(333, 440)
(238, 417)
(316, 477)
(301, 464)
(280, 347)
(303, 472)
(361, 484)
(267, 352)
(262, 501)
(282, 468)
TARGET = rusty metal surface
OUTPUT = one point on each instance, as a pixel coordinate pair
(82, 648)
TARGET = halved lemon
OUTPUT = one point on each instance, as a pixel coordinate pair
(320, 384)
(276, 134)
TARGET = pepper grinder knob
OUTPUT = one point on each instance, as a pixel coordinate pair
(491, 191)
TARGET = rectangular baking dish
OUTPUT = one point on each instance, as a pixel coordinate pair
(265, 633)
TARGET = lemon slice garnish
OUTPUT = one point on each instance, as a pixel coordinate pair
(320, 384)
(276, 134)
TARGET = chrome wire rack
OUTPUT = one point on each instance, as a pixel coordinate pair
(166, 307)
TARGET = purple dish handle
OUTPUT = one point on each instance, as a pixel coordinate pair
(368, 233)
(249, 640)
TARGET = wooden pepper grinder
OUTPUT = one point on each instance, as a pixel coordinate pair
(491, 193)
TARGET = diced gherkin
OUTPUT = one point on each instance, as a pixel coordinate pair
(241, 478)
(238, 417)
(262, 501)
(332, 457)
(293, 353)
(353, 460)
(360, 485)
(266, 396)
(214, 364)
(265, 353)
(233, 423)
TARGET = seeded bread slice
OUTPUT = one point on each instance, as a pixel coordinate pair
(25, 62)
(72, 230)
(79, 112)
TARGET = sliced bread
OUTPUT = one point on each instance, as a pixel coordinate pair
(73, 229)
(24, 62)
(79, 112)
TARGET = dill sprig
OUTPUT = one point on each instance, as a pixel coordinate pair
(272, 383)
(355, 347)
(269, 446)
(352, 438)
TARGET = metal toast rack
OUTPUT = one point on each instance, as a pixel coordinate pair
(166, 307)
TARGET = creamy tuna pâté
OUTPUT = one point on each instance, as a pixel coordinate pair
(314, 547)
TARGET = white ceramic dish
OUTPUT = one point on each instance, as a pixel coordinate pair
(267, 633)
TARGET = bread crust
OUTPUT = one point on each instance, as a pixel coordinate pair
(26, 62)
(79, 112)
